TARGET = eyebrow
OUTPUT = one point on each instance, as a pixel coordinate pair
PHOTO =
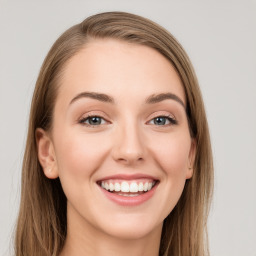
(155, 98)
(93, 95)
(152, 99)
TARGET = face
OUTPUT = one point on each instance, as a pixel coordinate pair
(120, 142)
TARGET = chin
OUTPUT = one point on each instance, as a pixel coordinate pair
(132, 228)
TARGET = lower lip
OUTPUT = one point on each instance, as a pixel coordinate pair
(130, 201)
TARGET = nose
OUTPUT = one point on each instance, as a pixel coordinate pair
(129, 147)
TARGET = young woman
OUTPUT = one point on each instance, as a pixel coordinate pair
(118, 158)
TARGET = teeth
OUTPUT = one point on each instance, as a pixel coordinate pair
(145, 186)
(125, 187)
(111, 187)
(128, 195)
(117, 187)
(141, 188)
(134, 187)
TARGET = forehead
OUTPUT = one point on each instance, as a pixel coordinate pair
(120, 69)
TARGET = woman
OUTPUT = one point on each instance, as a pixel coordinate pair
(118, 158)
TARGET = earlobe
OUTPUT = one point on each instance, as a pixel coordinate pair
(189, 173)
(46, 153)
(191, 159)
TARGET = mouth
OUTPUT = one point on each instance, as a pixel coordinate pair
(128, 188)
(128, 192)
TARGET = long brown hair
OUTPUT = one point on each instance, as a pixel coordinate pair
(42, 221)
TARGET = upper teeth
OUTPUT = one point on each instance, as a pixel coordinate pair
(124, 186)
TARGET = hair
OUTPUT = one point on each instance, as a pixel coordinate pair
(42, 221)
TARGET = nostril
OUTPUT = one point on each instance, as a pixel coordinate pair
(130, 159)
(129, 149)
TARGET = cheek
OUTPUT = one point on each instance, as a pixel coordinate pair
(172, 156)
(173, 153)
(78, 156)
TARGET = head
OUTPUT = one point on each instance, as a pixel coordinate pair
(43, 202)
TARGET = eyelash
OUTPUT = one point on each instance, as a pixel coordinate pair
(169, 118)
(83, 120)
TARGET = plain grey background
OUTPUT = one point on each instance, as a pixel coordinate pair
(220, 38)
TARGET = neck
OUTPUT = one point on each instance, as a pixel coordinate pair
(85, 239)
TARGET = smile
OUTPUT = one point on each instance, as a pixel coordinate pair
(128, 192)
(128, 186)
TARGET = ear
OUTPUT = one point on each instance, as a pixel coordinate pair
(46, 154)
(191, 159)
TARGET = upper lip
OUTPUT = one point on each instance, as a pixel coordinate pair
(128, 177)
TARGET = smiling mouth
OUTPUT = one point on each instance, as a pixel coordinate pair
(128, 188)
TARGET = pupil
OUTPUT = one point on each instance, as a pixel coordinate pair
(160, 120)
(94, 120)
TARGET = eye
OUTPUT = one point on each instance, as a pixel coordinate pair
(92, 121)
(163, 120)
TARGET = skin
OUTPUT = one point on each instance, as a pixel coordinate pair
(126, 142)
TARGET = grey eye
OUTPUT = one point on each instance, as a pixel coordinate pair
(160, 120)
(163, 120)
(92, 121)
